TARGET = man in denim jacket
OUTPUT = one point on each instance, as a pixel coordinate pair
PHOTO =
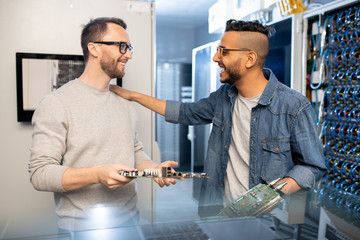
(262, 130)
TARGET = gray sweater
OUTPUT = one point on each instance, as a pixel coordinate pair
(80, 126)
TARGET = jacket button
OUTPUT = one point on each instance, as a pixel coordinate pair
(221, 185)
(276, 149)
(225, 147)
(223, 166)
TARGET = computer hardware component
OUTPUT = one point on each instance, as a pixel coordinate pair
(259, 200)
(164, 172)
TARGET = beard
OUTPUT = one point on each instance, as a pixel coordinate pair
(233, 75)
(109, 66)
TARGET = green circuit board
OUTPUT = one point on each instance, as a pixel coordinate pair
(259, 200)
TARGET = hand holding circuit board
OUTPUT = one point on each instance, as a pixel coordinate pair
(164, 172)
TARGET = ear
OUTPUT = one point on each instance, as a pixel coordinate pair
(252, 59)
(93, 49)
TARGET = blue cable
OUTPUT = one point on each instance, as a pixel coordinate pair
(325, 26)
(315, 88)
(353, 171)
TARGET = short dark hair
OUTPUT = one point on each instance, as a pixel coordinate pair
(94, 30)
(248, 26)
(258, 44)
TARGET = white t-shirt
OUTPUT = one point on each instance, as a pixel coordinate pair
(237, 172)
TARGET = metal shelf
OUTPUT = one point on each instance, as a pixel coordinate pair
(329, 7)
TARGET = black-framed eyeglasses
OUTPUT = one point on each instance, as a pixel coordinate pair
(220, 50)
(123, 46)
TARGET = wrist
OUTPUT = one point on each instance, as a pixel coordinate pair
(95, 172)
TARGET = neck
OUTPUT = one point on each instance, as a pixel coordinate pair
(251, 85)
(95, 77)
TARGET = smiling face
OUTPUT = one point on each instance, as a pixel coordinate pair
(112, 62)
(246, 50)
(231, 62)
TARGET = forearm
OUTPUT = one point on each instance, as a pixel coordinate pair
(76, 178)
(108, 175)
(154, 104)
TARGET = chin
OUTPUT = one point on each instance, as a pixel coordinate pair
(120, 75)
(228, 81)
(224, 80)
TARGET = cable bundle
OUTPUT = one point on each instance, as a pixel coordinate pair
(340, 113)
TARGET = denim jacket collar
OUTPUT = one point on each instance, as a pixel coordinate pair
(232, 93)
(268, 92)
(270, 88)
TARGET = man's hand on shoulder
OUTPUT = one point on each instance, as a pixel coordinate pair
(120, 91)
(154, 104)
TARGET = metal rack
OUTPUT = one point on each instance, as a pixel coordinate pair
(333, 48)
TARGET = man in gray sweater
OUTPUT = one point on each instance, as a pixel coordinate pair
(84, 135)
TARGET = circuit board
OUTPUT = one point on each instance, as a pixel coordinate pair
(259, 200)
(164, 172)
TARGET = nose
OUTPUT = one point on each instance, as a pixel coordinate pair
(216, 57)
(128, 54)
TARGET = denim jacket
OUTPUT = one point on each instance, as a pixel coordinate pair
(283, 138)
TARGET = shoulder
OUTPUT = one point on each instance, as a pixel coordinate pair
(288, 100)
(71, 87)
(121, 100)
(64, 92)
(123, 103)
(289, 93)
(49, 110)
(58, 99)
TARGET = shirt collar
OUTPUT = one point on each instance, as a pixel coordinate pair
(270, 88)
(268, 92)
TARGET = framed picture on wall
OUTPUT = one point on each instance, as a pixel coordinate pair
(39, 74)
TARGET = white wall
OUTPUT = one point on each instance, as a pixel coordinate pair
(54, 26)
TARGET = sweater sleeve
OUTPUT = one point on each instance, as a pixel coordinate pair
(48, 145)
(139, 152)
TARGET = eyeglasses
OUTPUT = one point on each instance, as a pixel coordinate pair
(220, 50)
(123, 46)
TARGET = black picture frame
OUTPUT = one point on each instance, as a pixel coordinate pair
(69, 67)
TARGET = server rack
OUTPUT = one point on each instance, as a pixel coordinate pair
(331, 69)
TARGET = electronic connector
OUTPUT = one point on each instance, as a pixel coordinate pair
(164, 172)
